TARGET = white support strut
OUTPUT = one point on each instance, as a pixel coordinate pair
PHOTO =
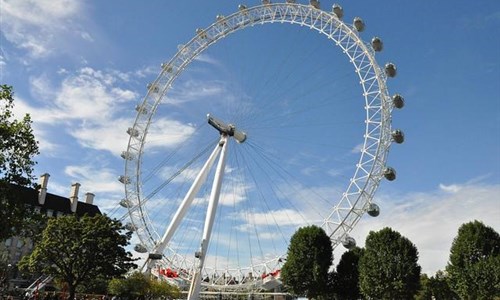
(183, 208)
(194, 290)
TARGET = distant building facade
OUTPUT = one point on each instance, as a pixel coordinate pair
(52, 206)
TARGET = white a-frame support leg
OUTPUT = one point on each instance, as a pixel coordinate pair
(194, 290)
(183, 208)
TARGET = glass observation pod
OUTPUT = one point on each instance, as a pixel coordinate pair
(338, 10)
(390, 174)
(348, 242)
(398, 136)
(125, 203)
(390, 70)
(130, 227)
(377, 44)
(314, 3)
(398, 101)
(140, 248)
(359, 24)
(373, 210)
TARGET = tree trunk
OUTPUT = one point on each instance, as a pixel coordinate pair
(72, 291)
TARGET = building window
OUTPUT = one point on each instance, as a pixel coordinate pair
(20, 243)
(50, 212)
(8, 242)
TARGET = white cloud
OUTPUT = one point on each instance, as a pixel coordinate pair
(3, 61)
(237, 194)
(454, 188)
(431, 220)
(168, 133)
(96, 179)
(38, 26)
(197, 90)
(284, 217)
(88, 104)
(108, 136)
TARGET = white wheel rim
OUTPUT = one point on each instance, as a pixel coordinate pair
(378, 106)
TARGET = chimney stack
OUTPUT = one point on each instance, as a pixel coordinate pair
(44, 179)
(89, 198)
(73, 198)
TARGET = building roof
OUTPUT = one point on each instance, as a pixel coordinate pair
(54, 202)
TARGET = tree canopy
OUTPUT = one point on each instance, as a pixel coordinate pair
(309, 257)
(77, 250)
(436, 288)
(138, 285)
(17, 150)
(474, 264)
(346, 285)
(388, 268)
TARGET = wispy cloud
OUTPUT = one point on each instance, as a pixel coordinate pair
(284, 217)
(88, 103)
(37, 26)
(97, 180)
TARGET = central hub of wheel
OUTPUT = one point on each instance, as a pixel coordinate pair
(227, 129)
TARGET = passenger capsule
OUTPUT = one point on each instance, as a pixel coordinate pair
(124, 179)
(398, 101)
(314, 3)
(221, 19)
(266, 2)
(359, 24)
(130, 227)
(290, 1)
(125, 203)
(133, 132)
(167, 67)
(338, 10)
(390, 70)
(377, 44)
(242, 7)
(141, 109)
(155, 256)
(390, 174)
(201, 33)
(152, 87)
(398, 136)
(127, 155)
(348, 242)
(140, 248)
(373, 210)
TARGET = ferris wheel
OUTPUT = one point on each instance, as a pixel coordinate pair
(230, 154)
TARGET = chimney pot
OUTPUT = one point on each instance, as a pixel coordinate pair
(44, 179)
(89, 198)
(73, 198)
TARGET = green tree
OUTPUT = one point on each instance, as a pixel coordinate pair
(17, 150)
(138, 285)
(77, 250)
(435, 288)
(474, 264)
(425, 292)
(347, 281)
(309, 257)
(389, 266)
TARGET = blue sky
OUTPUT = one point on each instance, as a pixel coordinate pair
(80, 67)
